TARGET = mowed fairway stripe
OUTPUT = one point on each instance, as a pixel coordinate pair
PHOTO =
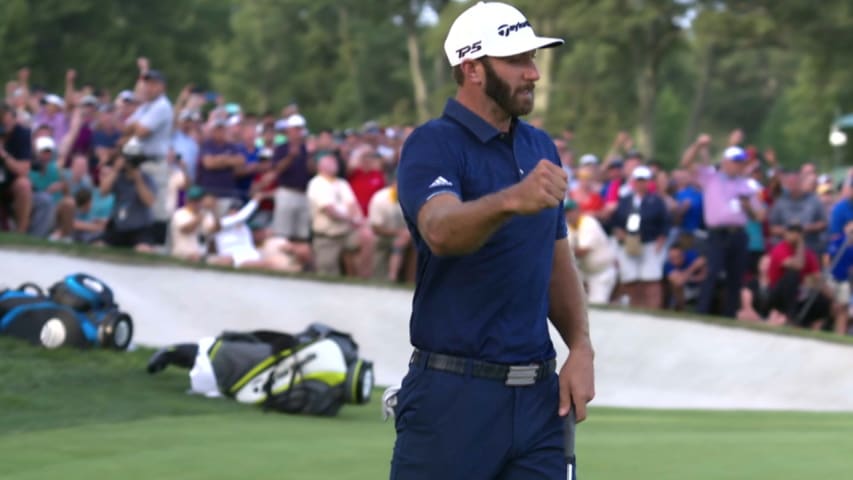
(613, 444)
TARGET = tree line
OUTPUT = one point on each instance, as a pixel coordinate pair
(662, 70)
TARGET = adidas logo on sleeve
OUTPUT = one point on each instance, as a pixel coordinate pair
(441, 182)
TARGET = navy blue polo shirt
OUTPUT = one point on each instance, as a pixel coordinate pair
(491, 304)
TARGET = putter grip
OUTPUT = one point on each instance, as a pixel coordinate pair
(570, 435)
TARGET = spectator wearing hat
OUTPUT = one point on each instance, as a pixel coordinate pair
(393, 238)
(585, 193)
(291, 172)
(217, 170)
(186, 143)
(804, 207)
(52, 113)
(594, 252)
(641, 225)
(16, 195)
(728, 203)
(125, 104)
(190, 223)
(151, 123)
(234, 242)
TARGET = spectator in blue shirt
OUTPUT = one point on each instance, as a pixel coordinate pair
(684, 271)
(688, 214)
(840, 251)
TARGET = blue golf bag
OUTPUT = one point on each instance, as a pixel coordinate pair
(78, 311)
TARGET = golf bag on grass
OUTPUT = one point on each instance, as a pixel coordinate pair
(314, 372)
(78, 311)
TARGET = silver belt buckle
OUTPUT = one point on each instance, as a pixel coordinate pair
(521, 375)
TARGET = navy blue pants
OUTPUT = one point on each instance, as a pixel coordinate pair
(726, 251)
(452, 426)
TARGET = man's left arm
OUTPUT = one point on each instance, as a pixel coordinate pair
(567, 311)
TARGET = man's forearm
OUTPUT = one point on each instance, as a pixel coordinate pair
(567, 300)
(145, 194)
(453, 227)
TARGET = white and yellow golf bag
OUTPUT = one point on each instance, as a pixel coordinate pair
(315, 372)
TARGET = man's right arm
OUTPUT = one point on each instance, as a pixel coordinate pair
(453, 227)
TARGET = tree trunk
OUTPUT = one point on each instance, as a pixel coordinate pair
(418, 81)
(348, 54)
(702, 84)
(647, 97)
(545, 63)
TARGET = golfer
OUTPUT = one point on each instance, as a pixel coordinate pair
(482, 195)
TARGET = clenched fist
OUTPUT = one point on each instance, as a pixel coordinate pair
(544, 187)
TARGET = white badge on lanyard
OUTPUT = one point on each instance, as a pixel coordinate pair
(633, 222)
(734, 204)
(122, 214)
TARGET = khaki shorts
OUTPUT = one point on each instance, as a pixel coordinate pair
(841, 291)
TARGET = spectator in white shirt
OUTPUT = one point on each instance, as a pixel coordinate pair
(234, 240)
(336, 216)
(189, 223)
(596, 258)
(393, 237)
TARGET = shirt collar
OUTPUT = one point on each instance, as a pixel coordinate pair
(473, 122)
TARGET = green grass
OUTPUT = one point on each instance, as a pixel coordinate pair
(96, 414)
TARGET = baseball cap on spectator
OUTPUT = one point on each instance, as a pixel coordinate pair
(589, 159)
(370, 127)
(642, 173)
(296, 121)
(281, 124)
(233, 120)
(232, 109)
(154, 75)
(735, 154)
(89, 100)
(615, 164)
(569, 204)
(53, 99)
(492, 29)
(195, 193)
(45, 143)
(126, 96)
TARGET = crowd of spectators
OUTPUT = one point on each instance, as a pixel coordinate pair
(727, 232)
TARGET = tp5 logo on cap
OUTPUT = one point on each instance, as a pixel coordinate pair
(473, 48)
(492, 29)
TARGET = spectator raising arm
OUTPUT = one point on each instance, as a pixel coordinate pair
(699, 149)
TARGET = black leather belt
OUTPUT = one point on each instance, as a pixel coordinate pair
(727, 229)
(511, 375)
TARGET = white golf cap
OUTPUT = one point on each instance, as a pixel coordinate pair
(736, 154)
(296, 121)
(45, 143)
(589, 159)
(642, 173)
(54, 99)
(492, 29)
